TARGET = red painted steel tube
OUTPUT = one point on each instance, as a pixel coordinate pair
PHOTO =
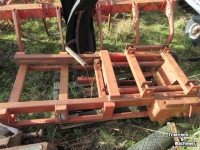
(92, 79)
(170, 14)
(142, 64)
(43, 68)
(141, 56)
(132, 90)
(122, 64)
(85, 79)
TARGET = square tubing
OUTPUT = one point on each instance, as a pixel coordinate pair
(64, 77)
(109, 75)
(61, 110)
(17, 29)
(108, 110)
(16, 93)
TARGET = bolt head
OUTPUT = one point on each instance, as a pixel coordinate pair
(194, 89)
(148, 91)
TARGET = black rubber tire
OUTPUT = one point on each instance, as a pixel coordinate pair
(160, 141)
(185, 6)
(188, 29)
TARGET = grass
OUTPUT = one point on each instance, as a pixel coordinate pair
(39, 85)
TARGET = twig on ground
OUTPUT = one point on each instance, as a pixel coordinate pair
(147, 129)
(111, 128)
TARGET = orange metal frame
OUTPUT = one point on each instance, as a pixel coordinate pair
(173, 94)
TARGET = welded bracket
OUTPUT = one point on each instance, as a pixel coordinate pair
(186, 84)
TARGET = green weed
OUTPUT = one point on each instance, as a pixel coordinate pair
(131, 143)
(77, 132)
(107, 138)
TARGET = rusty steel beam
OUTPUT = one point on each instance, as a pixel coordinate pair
(141, 56)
